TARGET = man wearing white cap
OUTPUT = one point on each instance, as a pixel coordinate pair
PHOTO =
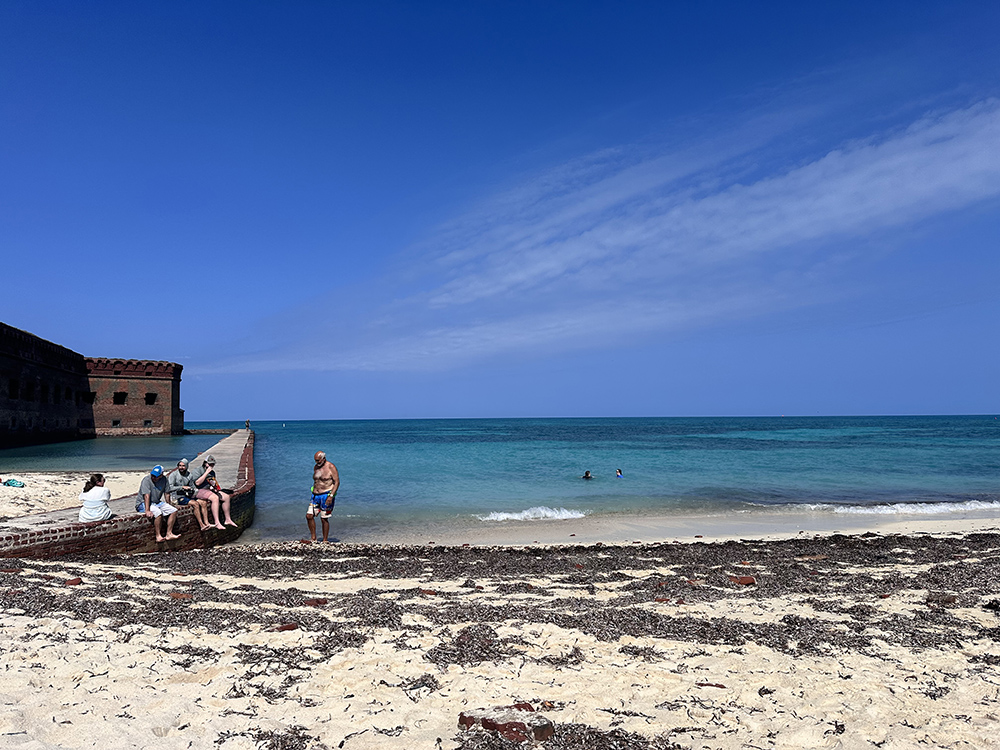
(153, 496)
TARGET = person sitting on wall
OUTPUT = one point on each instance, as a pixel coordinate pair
(95, 498)
(154, 493)
(209, 489)
(182, 489)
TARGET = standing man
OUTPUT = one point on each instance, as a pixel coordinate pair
(326, 482)
(152, 491)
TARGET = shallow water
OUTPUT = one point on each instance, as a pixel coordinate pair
(410, 476)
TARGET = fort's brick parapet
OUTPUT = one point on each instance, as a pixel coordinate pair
(136, 397)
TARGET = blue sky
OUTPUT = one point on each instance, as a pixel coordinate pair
(378, 210)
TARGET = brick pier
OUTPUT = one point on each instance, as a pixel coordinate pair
(58, 532)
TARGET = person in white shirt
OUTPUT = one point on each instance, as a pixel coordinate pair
(95, 498)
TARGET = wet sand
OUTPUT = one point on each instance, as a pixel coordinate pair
(830, 641)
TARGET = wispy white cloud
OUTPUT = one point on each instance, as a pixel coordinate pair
(627, 241)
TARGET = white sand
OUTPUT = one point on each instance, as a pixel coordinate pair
(49, 490)
(96, 683)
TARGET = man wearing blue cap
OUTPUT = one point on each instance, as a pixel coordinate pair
(152, 500)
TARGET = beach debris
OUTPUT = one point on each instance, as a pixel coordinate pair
(284, 627)
(574, 656)
(574, 737)
(315, 602)
(710, 684)
(517, 723)
(743, 580)
(74, 582)
(414, 687)
(941, 599)
(181, 595)
(472, 645)
(646, 653)
(293, 738)
(993, 604)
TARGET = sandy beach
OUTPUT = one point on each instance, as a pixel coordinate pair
(829, 641)
(50, 490)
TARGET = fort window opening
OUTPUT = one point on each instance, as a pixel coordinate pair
(116, 423)
(69, 393)
(120, 397)
(15, 389)
(56, 395)
(28, 393)
(150, 399)
(147, 423)
(44, 398)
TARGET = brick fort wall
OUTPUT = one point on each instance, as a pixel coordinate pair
(45, 393)
(49, 393)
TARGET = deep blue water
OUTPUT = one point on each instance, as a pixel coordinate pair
(405, 474)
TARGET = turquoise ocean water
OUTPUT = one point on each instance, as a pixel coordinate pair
(407, 475)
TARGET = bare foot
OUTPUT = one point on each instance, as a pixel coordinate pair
(160, 539)
(231, 523)
(220, 526)
(173, 536)
(205, 528)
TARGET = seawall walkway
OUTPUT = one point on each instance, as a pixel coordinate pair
(58, 532)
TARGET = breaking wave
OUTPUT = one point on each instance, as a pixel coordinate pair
(911, 508)
(534, 514)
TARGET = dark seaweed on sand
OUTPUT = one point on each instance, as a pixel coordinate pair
(958, 572)
(570, 737)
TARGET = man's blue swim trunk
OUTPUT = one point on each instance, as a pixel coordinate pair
(321, 504)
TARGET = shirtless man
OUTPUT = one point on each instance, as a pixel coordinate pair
(326, 482)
